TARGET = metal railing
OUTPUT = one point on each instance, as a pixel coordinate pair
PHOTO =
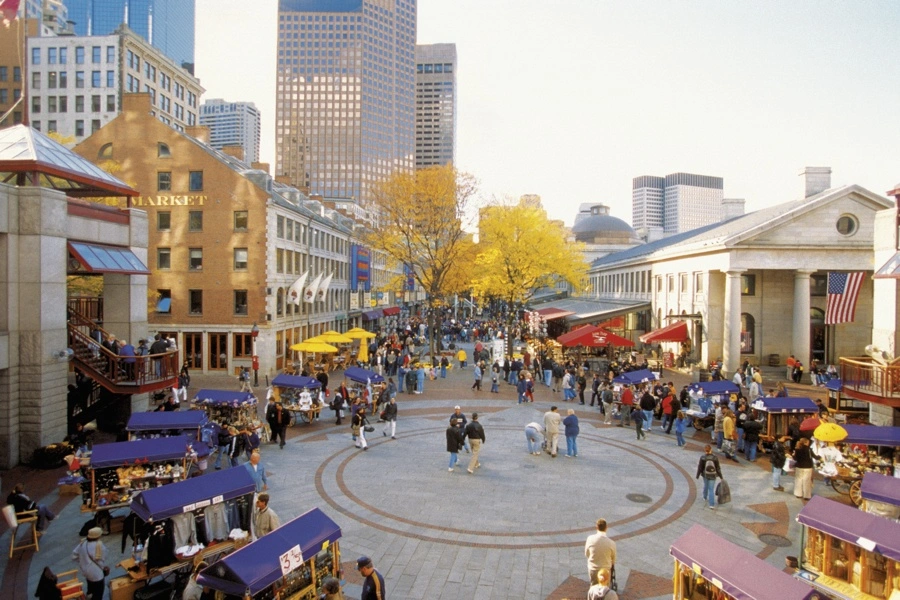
(867, 376)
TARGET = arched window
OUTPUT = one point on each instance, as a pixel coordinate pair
(279, 302)
(162, 150)
(748, 334)
(816, 315)
(106, 152)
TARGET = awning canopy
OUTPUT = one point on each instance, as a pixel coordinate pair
(593, 337)
(674, 332)
(872, 435)
(295, 381)
(712, 388)
(390, 311)
(163, 502)
(360, 375)
(371, 315)
(96, 258)
(592, 310)
(176, 419)
(852, 525)
(890, 269)
(738, 572)
(233, 398)
(635, 377)
(256, 566)
(786, 405)
(119, 454)
(549, 313)
(880, 488)
(834, 384)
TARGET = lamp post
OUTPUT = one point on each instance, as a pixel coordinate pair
(254, 333)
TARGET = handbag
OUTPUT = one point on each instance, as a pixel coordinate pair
(368, 429)
(789, 464)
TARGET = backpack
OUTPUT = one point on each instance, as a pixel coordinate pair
(709, 468)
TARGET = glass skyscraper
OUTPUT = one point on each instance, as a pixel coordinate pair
(345, 107)
(435, 104)
(167, 24)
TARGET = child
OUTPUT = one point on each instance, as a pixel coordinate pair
(681, 424)
(637, 417)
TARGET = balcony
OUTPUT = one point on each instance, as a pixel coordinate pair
(863, 378)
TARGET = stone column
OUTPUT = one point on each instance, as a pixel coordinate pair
(800, 338)
(731, 343)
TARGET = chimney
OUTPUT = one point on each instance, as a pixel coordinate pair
(815, 180)
(235, 151)
(260, 166)
(136, 103)
(282, 178)
(198, 132)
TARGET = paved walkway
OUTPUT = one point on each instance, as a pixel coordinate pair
(514, 529)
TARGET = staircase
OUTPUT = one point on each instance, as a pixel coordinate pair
(118, 374)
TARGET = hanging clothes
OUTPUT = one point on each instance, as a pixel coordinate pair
(216, 520)
(184, 529)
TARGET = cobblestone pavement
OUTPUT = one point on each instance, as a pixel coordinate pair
(514, 529)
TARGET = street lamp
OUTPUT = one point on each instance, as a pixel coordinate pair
(254, 333)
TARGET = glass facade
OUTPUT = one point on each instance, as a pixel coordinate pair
(435, 104)
(167, 24)
(345, 107)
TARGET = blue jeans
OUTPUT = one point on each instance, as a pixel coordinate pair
(534, 440)
(443, 372)
(548, 375)
(400, 381)
(679, 437)
(750, 451)
(571, 446)
(709, 491)
(223, 450)
(740, 440)
(495, 389)
(720, 437)
(776, 477)
(648, 419)
(453, 458)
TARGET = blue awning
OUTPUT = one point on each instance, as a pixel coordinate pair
(120, 454)
(163, 502)
(786, 405)
(872, 435)
(360, 375)
(95, 258)
(834, 384)
(635, 377)
(231, 397)
(255, 567)
(371, 315)
(712, 388)
(294, 381)
(176, 419)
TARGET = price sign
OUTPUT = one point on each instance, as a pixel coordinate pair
(291, 560)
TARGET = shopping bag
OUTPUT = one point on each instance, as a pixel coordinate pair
(723, 492)
(789, 465)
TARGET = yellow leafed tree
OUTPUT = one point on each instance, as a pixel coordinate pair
(421, 218)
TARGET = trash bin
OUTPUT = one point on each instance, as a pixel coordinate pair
(774, 360)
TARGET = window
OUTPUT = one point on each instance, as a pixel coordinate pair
(51, 80)
(240, 220)
(847, 225)
(240, 259)
(164, 301)
(162, 150)
(79, 128)
(195, 181)
(279, 227)
(748, 285)
(63, 55)
(698, 283)
(163, 220)
(35, 104)
(164, 181)
(95, 103)
(51, 126)
(95, 79)
(748, 327)
(63, 80)
(195, 260)
(51, 104)
(683, 283)
(240, 308)
(35, 56)
(79, 104)
(110, 79)
(36, 125)
(95, 125)
(4, 73)
(196, 302)
(79, 79)
(818, 285)
(36, 80)
(279, 260)
(4, 95)
(110, 54)
(111, 103)
(195, 220)
(79, 55)
(51, 56)
(17, 74)
(164, 258)
(670, 283)
(63, 104)
(95, 54)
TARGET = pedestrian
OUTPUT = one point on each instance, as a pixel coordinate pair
(571, 429)
(568, 386)
(478, 375)
(91, 555)
(607, 399)
(681, 423)
(600, 552)
(331, 589)
(709, 469)
(462, 421)
(595, 390)
(244, 379)
(358, 426)
(648, 405)
(461, 357)
(264, 518)
(601, 590)
(668, 415)
(257, 472)
(454, 442)
(552, 422)
(752, 428)
(389, 416)
(522, 389)
(803, 470)
(278, 419)
(637, 416)
(474, 433)
(21, 502)
(580, 386)
(777, 458)
(534, 434)
(373, 584)
(718, 434)
(495, 377)
(728, 434)
(627, 400)
(192, 589)
(420, 379)
(445, 362)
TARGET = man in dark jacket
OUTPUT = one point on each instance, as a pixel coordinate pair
(474, 432)
(461, 421)
(278, 419)
(778, 457)
(454, 442)
(647, 404)
(373, 584)
(752, 428)
(709, 469)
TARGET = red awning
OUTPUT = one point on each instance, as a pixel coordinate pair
(676, 332)
(593, 337)
(614, 323)
(553, 313)
(391, 310)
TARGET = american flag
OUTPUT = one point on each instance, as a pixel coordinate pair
(843, 290)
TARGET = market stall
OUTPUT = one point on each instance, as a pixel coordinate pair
(204, 510)
(843, 408)
(228, 408)
(866, 449)
(298, 395)
(635, 377)
(288, 563)
(708, 567)
(362, 376)
(156, 424)
(705, 395)
(778, 413)
(880, 495)
(847, 552)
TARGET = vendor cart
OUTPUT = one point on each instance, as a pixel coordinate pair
(710, 567)
(867, 448)
(635, 377)
(157, 424)
(360, 378)
(299, 396)
(776, 414)
(880, 495)
(289, 563)
(848, 553)
(708, 395)
(227, 408)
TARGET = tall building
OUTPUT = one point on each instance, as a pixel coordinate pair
(677, 202)
(167, 24)
(435, 104)
(345, 94)
(11, 70)
(75, 83)
(232, 124)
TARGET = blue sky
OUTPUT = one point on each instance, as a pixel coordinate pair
(571, 99)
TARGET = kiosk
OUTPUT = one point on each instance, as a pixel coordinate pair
(635, 377)
(705, 396)
(880, 495)
(866, 449)
(293, 392)
(708, 567)
(362, 376)
(288, 563)
(778, 413)
(849, 553)
(227, 408)
(157, 424)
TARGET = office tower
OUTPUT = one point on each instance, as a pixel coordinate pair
(435, 104)
(232, 124)
(677, 202)
(345, 94)
(167, 24)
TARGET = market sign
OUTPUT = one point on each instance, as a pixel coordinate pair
(360, 268)
(291, 560)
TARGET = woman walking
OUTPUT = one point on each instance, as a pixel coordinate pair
(681, 423)
(803, 470)
(572, 430)
(358, 426)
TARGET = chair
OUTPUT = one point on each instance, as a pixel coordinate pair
(70, 587)
(15, 520)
